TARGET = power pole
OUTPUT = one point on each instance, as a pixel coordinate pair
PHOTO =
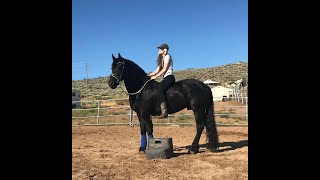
(86, 73)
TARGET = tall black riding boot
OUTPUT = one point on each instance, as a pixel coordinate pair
(164, 113)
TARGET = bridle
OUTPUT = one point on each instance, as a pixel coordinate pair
(118, 78)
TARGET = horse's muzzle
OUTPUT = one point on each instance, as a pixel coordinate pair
(113, 84)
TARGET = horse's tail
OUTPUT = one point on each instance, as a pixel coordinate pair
(211, 128)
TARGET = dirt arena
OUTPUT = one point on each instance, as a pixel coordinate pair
(111, 152)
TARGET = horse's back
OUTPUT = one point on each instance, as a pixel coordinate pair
(190, 92)
(196, 89)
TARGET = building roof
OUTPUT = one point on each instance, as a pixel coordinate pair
(208, 81)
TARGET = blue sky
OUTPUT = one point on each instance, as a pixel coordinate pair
(200, 33)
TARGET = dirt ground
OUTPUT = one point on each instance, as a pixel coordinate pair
(111, 152)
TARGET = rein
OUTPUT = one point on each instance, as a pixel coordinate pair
(139, 89)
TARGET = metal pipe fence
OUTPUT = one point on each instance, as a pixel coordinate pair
(95, 112)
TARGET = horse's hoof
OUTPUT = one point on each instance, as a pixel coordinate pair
(141, 150)
(193, 151)
(211, 150)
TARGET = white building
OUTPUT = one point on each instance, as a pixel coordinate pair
(219, 92)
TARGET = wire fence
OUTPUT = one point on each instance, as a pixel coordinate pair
(229, 111)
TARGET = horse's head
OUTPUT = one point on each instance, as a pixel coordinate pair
(117, 68)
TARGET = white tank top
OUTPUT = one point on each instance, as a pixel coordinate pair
(169, 71)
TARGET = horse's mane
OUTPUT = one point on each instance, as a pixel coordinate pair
(137, 69)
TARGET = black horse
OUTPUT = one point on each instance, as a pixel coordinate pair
(145, 99)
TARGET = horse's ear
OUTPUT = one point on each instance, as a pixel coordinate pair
(113, 58)
(119, 56)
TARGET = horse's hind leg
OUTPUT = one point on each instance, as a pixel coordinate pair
(199, 117)
(149, 127)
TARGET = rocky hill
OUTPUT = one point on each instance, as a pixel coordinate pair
(97, 88)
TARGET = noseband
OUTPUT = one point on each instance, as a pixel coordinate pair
(118, 78)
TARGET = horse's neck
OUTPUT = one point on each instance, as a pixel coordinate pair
(134, 84)
(135, 78)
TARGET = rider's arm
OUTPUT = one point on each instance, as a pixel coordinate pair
(155, 71)
(163, 70)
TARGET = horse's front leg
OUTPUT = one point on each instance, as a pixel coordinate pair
(146, 126)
